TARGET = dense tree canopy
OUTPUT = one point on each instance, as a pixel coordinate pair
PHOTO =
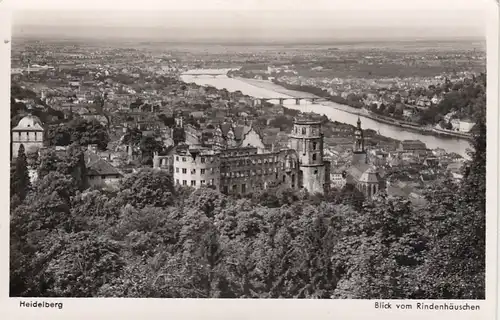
(79, 131)
(19, 175)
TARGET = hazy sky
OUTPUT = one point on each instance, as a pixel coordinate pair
(265, 19)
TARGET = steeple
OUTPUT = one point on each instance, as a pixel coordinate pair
(359, 141)
(358, 150)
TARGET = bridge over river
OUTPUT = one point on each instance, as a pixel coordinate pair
(281, 100)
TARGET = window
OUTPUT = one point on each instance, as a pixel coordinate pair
(314, 157)
(284, 178)
(183, 159)
(184, 182)
(202, 182)
(193, 171)
(184, 170)
(176, 158)
(225, 189)
(202, 159)
(177, 170)
(193, 183)
(243, 188)
(303, 130)
(235, 187)
(177, 181)
(103, 177)
(315, 145)
(276, 175)
(316, 171)
(202, 171)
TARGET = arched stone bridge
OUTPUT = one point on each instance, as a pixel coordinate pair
(260, 101)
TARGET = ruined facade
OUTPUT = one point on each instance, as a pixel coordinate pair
(237, 164)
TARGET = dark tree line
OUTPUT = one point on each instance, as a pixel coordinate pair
(78, 131)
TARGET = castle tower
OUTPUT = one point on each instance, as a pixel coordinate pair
(307, 139)
(358, 150)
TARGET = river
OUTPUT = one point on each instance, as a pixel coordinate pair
(332, 111)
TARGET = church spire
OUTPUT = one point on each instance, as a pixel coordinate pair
(359, 141)
(359, 152)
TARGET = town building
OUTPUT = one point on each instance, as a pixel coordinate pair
(29, 132)
(410, 148)
(99, 172)
(338, 179)
(466, 125)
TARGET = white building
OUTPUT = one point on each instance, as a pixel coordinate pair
(29, 132)
(196, 168)
(338, 180)
(455, 124)
(466, 125)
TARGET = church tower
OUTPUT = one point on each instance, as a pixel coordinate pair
(307, 140)
(358, 150)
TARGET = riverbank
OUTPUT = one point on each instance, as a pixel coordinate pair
(334, 112)
(401, 124)
(360, 112)
(268, 85)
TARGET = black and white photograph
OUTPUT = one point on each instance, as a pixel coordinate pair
(330, 150)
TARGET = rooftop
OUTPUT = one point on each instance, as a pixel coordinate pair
(96, 166)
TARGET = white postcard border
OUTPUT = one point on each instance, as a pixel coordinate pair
(251, 309)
